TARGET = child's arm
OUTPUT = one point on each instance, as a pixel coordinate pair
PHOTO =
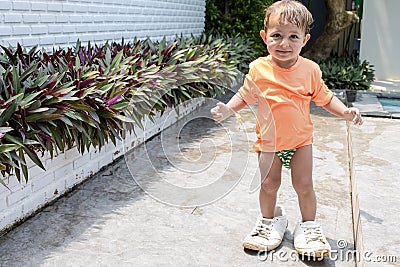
(223, 111)
(337, 108)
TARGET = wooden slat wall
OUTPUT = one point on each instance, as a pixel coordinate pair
(348, 41)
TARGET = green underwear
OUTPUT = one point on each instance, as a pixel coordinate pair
(286, 156)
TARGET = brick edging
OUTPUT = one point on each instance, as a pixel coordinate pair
(357, 229)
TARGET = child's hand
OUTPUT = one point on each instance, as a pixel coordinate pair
(353, 114)
(220, 112)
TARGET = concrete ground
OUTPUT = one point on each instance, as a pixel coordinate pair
(189, 196)
(377, 168)
(376, 171)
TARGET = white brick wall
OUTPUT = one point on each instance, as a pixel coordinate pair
(61, 22)
(71, 168)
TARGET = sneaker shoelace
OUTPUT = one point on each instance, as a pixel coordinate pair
(263, 228)
(313, 234)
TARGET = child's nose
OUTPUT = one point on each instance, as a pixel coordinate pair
(285, 42)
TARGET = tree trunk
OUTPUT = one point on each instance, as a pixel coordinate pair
(337, 21)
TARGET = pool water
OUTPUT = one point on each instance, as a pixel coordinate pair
(390, 104)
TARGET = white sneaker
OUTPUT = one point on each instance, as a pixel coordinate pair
(268, 233)
(309, 240)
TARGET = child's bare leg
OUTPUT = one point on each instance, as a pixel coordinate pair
(301, 171)
(270, 169)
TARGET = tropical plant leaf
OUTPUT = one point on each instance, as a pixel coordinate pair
(7, 113)
(23, 165)
(34, 157)
(28, 72)
(8, 147)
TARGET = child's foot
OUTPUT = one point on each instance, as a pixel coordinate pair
(309, 240)
(268, 233)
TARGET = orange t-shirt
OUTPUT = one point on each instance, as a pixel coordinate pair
(284, 96)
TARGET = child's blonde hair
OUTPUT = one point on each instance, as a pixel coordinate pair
(290, 11)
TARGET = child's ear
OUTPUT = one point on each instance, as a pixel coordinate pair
(306, 38)
(263, 35)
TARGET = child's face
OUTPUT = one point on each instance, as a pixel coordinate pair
(284, 41)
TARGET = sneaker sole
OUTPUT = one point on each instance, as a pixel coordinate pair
(258, 248)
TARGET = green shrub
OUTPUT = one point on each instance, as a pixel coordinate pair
(239, 50)
(241, 17)
(347, 73)
(87, 96)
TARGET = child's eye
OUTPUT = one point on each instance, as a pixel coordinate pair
(294, 36)
(276, 35)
